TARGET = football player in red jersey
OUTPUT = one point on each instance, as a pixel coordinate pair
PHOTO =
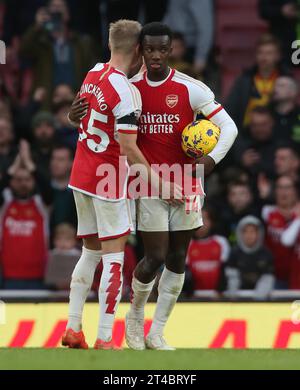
(171, 100)
(277, 219)
(291, 239)
(108, 130)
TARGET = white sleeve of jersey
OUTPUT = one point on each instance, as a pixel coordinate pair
(266, 211)
(130, 100)
(290, 235)
(228, 135)
(202, 100)
(201, 96)
(225, 248)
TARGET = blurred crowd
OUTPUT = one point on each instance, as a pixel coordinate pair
(251, 234)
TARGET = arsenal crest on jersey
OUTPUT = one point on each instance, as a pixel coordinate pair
(172, 100)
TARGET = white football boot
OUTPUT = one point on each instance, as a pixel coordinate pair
(134, 332)
(158, 342)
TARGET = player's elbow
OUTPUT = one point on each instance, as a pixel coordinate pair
(233, 129)
(236, 132)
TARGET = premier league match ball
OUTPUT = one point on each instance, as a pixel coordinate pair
(199, 138)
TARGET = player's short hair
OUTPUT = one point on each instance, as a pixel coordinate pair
(155, 29)
(124, 35)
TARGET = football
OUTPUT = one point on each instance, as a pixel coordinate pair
(199, 138)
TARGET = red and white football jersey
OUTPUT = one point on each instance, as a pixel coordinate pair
(168, 107)
(205, 258)
(291, 239)
(276, 224)
(294, 282)
(24, 237)
(110, 97)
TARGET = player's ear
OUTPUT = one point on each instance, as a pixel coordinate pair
(138, 49)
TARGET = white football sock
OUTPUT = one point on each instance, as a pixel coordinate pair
(140, 295)
(169, 289)
(110, 292)
(81, 283)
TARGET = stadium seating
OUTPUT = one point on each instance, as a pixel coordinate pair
(238, 28)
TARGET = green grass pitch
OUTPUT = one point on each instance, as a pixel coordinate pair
(182, 359)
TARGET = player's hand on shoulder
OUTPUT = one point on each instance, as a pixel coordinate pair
(79, 109)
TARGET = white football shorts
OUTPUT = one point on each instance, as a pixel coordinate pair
(157, 215)
(107, 220)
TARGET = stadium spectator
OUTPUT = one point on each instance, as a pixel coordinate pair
(178, 56)
(23, 113)
(286, 110)
(255, 86)
(5, 111)
(24, 238)
(255, 151)
(240, 202)
(63, 206)
(58, 54)
(207, 254)
(62, 258)
(250, 265)
(8, 150)
(291, 239)
(194, 19)
(277, 218)
(18, 16)
(62, 93)
(44, 137)
(10, 76)
(153, 10)
(283, 16)
(287, 162)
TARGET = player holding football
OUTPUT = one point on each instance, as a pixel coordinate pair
(108, 130)
(167, 230)
(171, 100)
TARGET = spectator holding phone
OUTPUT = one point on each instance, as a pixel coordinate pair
(57, 54)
